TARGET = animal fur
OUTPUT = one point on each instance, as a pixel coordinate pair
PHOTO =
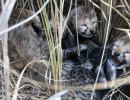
(27, 41)
(78, 33)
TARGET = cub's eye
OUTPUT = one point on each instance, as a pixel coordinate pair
(97, 21)
(83, 25)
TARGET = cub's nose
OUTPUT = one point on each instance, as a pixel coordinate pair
(92, 32)
(116, 54)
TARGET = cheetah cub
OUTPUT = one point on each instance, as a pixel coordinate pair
(121, 49)
(82, 24)
(120, 57)
(26, 42)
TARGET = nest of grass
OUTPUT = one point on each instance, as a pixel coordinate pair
(25, 86)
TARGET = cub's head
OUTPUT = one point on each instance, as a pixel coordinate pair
(84, 20)
(121, 50)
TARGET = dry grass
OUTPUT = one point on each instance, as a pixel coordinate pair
(4, 18)
(16, 85)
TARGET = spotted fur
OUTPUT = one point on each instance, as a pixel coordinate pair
(82, 24)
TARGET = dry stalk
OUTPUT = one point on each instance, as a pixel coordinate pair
(4, 18)
(106, 30)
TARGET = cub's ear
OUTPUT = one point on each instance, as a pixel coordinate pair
(37, 29)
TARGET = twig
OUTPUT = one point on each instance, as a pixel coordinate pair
(4, 18)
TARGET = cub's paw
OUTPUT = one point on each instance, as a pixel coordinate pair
(83, 47)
